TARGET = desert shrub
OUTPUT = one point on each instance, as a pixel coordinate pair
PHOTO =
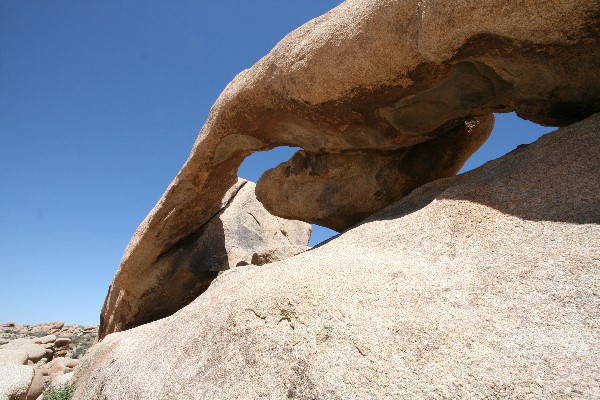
(38, 334)
(80, 345)
(62, 392)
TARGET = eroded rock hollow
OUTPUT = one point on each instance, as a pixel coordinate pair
(383, 97)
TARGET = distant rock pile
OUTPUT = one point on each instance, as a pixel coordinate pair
(35, 357)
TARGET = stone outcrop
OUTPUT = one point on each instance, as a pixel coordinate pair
(404, 88)
(241, 230)
(482, 285)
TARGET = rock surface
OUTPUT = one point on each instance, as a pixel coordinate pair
(37, 386)
(478, 286)
(231, 238)
(15, 381)
(13, 356)
(374, 79)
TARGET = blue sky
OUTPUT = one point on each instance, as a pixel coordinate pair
(100, 103)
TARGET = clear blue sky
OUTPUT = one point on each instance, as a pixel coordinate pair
(100, 103)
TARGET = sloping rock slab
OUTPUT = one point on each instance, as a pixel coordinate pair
(479, 286)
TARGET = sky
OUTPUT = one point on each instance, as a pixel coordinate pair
(100, 103)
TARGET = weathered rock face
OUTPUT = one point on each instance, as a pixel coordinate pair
(381, 83)
(15, 381)
(477, 286)
(241, 230)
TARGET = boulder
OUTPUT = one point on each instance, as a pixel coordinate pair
(13, 356)
(37, 386)
(15, 381)
(45, 339)
(62, 342)
(404, 87)
(70, 363)
(480, 286)
(35, 352)
(241, 229)
(62, 380)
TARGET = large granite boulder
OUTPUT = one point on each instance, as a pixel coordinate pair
(478, 286)
(404, 88)
(241, 230)
(15, 381)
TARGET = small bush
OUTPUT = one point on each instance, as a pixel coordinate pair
(81, 344)
(63, 392)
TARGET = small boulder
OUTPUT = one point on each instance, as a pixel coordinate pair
(37, 385)
(45, 339)
(63, 379)
(70, 363)
(62, 342)
(35, 352)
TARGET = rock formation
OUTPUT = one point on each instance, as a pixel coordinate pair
(400, 92)
(14, 381)
(241, 230)
(482, 285)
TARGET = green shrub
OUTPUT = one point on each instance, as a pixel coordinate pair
(81, 344)
(63, 392)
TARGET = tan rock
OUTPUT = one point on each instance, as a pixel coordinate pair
(70, 363)
(377, 76)
(45, 339)
(35, 352)
(242, 228)
(15, 381)
(62, 342)
(478, 286)
(13, 356)
(63, 379)
(37, 386)
(60, 361)
(41, 362)
(55, 369)
(17, 342)
(277, 254)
